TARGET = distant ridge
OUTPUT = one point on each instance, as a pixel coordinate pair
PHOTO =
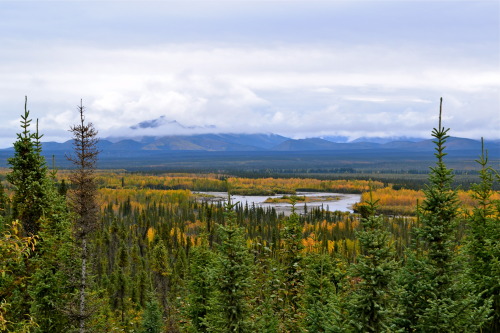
(263, 142)
(386, 139)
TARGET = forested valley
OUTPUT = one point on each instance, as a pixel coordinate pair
(86, 250)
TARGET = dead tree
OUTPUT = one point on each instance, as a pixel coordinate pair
(83, 199)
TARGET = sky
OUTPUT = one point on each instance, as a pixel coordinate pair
(295, 68)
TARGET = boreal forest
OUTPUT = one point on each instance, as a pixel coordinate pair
(104, 250)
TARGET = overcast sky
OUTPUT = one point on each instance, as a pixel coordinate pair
(296, 68)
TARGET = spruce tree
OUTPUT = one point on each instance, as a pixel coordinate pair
(83, 199)
(152, 321)
(53, 282)
(483, 243)
(370, 303)
(28, 176)
(293, 274)
(322, 308)
(47, 271)
(231, 310)
(200, 288)
(435, 296)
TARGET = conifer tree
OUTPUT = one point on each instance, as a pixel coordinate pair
(370, 303)
(152, 321)
(435, 296)
(293, 273)
(161, 272)
(231, 311)
(200, 287)
(47, 272)
(28, 176)
(321, 300)
(52, 283)
(266, 292)
(483, 243)
(83, 199)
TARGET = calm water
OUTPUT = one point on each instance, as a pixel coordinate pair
(343, 204)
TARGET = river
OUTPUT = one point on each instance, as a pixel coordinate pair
(343, 202)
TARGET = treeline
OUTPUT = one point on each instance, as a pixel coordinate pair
(404, 202)
(160, 261)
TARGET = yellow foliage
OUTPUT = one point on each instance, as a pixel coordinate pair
(151, 234)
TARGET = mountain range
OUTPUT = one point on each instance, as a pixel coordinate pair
(269, 151)
(265, 142)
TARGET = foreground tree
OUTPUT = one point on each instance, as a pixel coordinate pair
(435, 296)
(483, 243)
(28, 176)
(322, 306)
(83, 199)
(44, 275)
(200, 287)
(152, 321)
(370, 303)
(293, 274)
(230, 310)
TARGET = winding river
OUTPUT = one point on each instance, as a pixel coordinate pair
(343, 202)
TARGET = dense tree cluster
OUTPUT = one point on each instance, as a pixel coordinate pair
(140, 259)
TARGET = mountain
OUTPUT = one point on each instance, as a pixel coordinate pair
(268, 151)
(452, 144)
(321, 144)
(215, 142)
(261, 142)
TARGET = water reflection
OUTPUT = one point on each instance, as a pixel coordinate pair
(343, 202)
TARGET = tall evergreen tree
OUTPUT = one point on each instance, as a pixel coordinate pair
(52, 283)
(200, 287)
(293, 273)
(28, 176)
(435, 297)
(231, 310)
(321, 300)
(83, 199)
(47, 271)
(370, 303)
(483, 243)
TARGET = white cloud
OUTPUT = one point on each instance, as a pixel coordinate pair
(297, 90)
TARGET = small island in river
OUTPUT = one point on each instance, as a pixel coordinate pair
(290, 199)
